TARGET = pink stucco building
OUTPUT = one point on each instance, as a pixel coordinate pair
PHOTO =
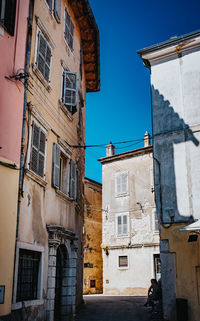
(13, 39)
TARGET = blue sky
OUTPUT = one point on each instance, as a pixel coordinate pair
(121, 111)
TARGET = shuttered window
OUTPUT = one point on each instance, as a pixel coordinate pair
(70, 90)
(121, 183)
(57, 10)
(37, 159)
(65, 175)
(122, 225)
(7, 15)
(156, 222)
(43, 59)
(69, 30)
(123, 261)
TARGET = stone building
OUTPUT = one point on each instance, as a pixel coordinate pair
(93, 263)
(63, 66)
(175, 81)
(13, 36)
(130, 232)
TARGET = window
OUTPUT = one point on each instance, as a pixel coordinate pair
(43, 56)
(123, 261)
(155, 221)
(28, 275)
(121, 183)
(157, 266)
(70, 90)
(92, 283)
(38, 146)
(122, 225)
(7, 15)
(64, 173)
(69, 30)
(55, 8)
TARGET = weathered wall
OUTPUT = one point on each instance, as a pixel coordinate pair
(11, 110)
(42, 204)
(142, 241)
(93, 237)
(175, 79)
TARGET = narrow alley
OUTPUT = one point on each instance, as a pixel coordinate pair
(114, 308)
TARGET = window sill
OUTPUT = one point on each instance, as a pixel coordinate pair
(18, 305)
(63, 196)
(121, 195)
(41, 78)
(36, 178)
(65, 111)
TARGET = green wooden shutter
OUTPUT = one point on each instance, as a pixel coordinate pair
(56, 166)
(35, 148)
(57, 10)
(41, 159)
(72, 181)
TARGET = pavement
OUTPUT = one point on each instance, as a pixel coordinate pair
(114, 308)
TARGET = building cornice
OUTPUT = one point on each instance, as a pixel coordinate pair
(93, 184)
(171, 48)
(129, 154)
(89, 41)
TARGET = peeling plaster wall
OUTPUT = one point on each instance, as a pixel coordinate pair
(142, 242)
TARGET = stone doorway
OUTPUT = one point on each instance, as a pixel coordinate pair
(61, 290)
(61, 267)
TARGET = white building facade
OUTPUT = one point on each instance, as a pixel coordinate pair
(130, 239)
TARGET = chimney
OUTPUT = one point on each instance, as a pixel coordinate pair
(110, 150)
(147, 140)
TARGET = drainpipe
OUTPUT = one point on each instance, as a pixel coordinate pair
(27, 60)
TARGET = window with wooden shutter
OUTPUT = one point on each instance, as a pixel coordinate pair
(123, 261)
(50, 4)
(60, 170)
(122, 225)
(37, 159)
(7, 15)
(121, 183)
(57, 10)
(43, 59)
(69, 30)
(70, 90)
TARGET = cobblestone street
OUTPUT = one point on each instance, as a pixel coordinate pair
(113, 308)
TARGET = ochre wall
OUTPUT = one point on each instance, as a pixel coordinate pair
(93, 238)
(187, 260)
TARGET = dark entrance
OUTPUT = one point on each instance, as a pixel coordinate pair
(61, 259)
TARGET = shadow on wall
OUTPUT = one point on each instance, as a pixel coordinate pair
(169, 129)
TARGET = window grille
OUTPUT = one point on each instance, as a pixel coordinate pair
(28, 272)
(123, 261)
(69, 30)
(38, 150)
(43, 59)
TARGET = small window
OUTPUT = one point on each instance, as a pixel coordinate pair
(122, 225)
(123, 261)
(92, 283)
(69, 30)
(70, 90)
(7, 15)
(43, 57)
(28, 275)
(38, 146)
(121, 183)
